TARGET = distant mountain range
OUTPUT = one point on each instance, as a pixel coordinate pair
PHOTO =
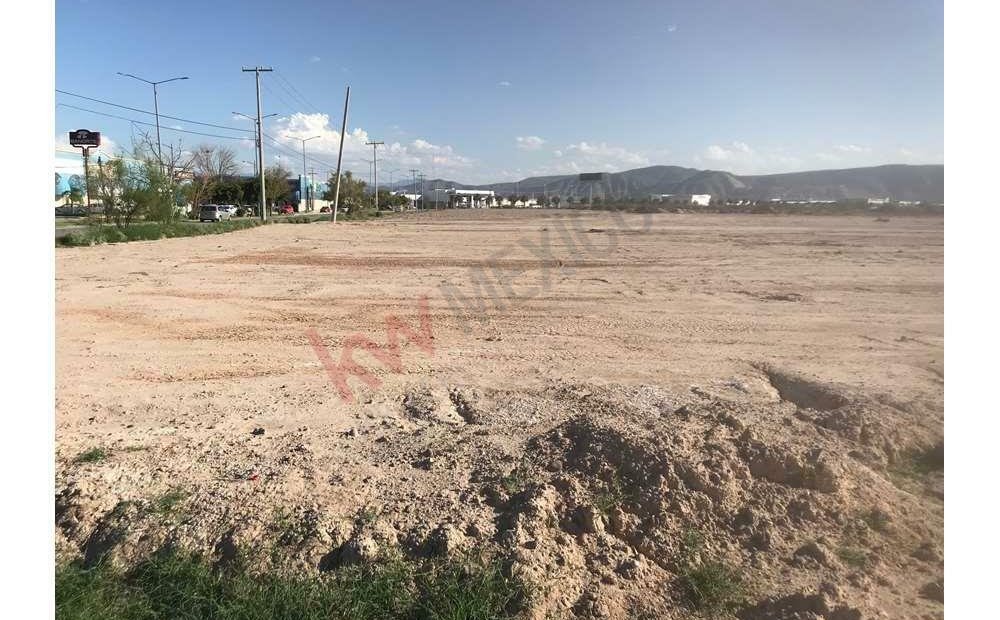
(897, 181)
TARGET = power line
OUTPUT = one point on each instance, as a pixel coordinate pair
(175, 118)
(132, 120)
(302, 97)
(280, 145)
(289, 107)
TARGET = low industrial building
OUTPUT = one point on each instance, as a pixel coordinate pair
(683, 199)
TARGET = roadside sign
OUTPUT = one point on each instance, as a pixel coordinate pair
(85, 137)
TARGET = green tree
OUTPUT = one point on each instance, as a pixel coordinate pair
(352, 191)
(77, 189)
(276, 188)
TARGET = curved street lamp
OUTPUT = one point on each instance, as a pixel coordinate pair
(156, 107)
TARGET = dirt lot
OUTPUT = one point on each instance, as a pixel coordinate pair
(579, 393)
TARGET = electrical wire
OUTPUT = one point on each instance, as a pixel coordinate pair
(174, 118)
(132, 120)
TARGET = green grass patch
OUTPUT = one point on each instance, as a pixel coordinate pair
(94, 455)
(148, 231)
(167, 503)
(710, 587)
(178, 586)
(917, 463)
(713, 588)
(853, 557)
(876, 519)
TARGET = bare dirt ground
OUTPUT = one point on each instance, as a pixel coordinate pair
(577, 394)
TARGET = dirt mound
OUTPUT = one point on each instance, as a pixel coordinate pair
(619, 501)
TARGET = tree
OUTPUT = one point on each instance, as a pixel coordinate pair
(352, 191)
(555, 201)
(77, 189)
(59, 192)
(276, 186)
(208, 167)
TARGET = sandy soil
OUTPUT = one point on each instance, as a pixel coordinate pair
(572, 391)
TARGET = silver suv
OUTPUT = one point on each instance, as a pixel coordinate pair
(213, 213)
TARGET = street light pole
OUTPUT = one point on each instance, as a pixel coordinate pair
(156, 107)
(305, 173)
(253, 119)
(258, 164)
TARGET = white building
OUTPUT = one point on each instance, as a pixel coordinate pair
(684, 199)
(879, 201)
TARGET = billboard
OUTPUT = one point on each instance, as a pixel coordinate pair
(85, 137)
(592, 176)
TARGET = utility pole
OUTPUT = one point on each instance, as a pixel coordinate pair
(374, 144)
(256, 164)
(156, 108)
(413, 186)
(260, 142)
(340, 155)
(312, 191)
(423, 196)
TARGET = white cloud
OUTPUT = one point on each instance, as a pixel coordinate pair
(671, 28)
(740, 158)
(730, 152)
(529, 143)
(852, 148)
(314, 59)
(503, 83)
(432, 158)
(591, 157)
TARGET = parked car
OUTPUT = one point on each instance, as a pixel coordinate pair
(213, 213)
(324, 209)
(286, 210)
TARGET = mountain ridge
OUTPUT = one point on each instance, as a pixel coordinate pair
(914, 182)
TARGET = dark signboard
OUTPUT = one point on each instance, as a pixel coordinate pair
(85, 137)
(592, 176)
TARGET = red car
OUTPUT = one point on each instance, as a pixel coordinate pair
(285, 210)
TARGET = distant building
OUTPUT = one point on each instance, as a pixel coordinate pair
(879, 201)
(683, 199)
(413, 198)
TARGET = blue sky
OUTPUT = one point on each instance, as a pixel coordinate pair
(479, 93)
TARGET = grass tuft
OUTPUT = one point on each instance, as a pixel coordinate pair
(166, 504)
(713, 588)
(175, 585)
(94, 455)
(853, 557)
(150, 231)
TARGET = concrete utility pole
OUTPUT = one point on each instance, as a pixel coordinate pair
(374, 144)
(256, 137)
(156, 108)
(423, 197)
(312, 191)
(260, 142)
(340, 155)
(413, 187)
